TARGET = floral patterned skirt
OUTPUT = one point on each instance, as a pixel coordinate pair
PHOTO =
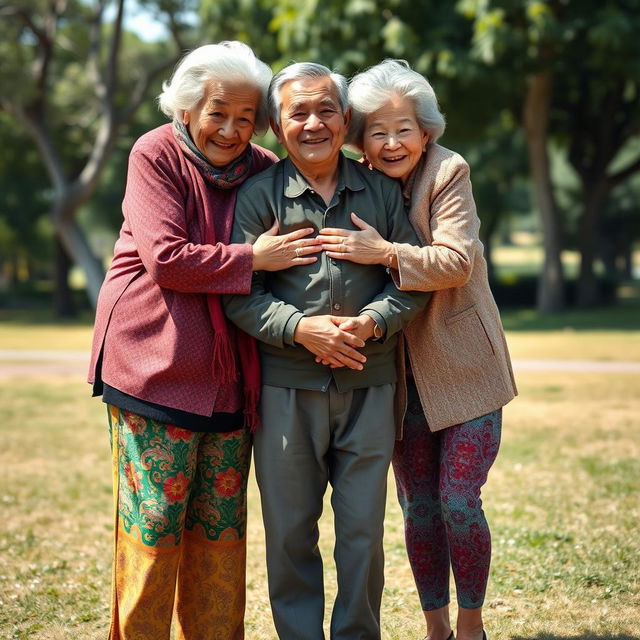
(180, 523)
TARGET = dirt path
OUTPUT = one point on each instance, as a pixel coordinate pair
(36, 363)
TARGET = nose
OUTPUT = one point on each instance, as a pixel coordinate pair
(391, 142)
(313, 122)
(226, 129)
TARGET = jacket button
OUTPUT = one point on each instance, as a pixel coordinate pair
(337, 306)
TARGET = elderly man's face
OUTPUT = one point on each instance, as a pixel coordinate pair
(222, 123)
(312, 126)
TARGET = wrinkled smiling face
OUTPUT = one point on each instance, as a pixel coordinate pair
(312, 125)
(222, 123)
(393, 140)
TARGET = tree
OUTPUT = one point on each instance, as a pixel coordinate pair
(597, 111)
(582, 65)
(72, 93)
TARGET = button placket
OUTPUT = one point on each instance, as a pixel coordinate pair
(334, 270)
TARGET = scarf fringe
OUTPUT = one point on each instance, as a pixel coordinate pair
(224, 367)
(251, 416)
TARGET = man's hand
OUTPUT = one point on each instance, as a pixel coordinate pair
(361, 327)
(332, 345)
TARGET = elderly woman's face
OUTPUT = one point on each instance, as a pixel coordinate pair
(393, 140)
(222, 123)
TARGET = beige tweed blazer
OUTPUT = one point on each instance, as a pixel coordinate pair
(457, 347)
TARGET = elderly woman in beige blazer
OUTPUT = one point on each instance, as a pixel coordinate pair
(455, 358)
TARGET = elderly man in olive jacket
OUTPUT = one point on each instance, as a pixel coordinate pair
(322, 423)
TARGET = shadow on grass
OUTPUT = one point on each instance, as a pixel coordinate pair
(623, 317)
(39, 316)
(584, 636)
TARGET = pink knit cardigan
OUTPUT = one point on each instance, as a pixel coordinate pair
(152, 325)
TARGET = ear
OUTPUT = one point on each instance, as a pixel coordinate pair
(347, 117)
(425, 140)
(275, 127)
(185, 117)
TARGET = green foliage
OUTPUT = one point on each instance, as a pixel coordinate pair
(478, 54)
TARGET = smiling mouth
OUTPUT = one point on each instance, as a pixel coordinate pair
(222, 145)
(315, 141)
(394, 158)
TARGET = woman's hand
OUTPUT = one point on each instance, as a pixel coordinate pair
(366, 246)
(272, 252)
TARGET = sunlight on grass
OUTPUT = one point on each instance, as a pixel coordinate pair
(562, 500)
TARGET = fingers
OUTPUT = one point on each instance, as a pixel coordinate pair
(335, 246)
(359, 222)
(348, 325)
(272, 230)
(332, 243)
(297, 234)
(331, 232)
(341, 254)
(302, 251)
(352, 362)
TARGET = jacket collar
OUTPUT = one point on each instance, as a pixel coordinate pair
(295, 184)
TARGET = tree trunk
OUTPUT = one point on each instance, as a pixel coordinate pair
(73, 239)
(63, 306)
(550, 297)
(588, 293)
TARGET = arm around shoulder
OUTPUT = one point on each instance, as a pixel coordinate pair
(444, 213)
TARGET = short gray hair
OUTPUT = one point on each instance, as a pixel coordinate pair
(230, 61)
(299, 70)
(371, 89)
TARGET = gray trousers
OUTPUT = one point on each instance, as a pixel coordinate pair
(309, 439)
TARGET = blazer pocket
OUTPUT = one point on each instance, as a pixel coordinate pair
(469, 334)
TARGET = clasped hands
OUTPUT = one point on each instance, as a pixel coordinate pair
(335, 340)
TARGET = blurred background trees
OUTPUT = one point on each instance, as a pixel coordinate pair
(540, 96)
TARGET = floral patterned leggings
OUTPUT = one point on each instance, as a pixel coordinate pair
(439, 476)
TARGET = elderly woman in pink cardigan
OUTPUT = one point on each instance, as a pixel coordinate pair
(180, 382)
(455, 359)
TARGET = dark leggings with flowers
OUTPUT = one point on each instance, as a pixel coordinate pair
(439, 476)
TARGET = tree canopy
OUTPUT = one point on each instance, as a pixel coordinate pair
(515, 79)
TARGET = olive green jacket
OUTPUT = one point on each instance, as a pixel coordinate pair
(278, 300)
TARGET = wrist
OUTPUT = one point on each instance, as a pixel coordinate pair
(255, 260)
(373, 329)
(390, 260)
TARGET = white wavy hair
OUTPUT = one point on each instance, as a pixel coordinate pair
(230, 61)
(371, 89)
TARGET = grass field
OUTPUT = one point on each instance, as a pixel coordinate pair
(563, 501)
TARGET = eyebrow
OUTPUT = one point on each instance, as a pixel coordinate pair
(378, 123)
(225, 103)
(325, 102)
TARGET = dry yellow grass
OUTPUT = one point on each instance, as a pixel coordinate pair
(562, 500)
